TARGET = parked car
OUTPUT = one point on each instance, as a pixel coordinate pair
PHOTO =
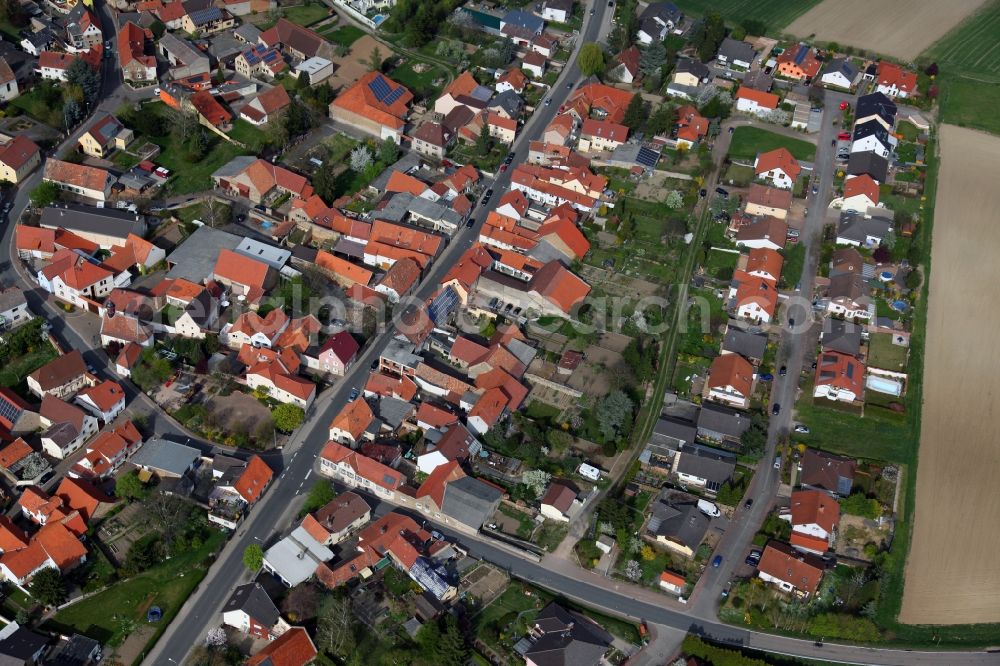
(722, 193)
(783, 370)
(717, 561)
(354, 394)
(732, 129)
(548, 101)
(815, 190)
(503, 167)
(776, 409)
(470, 223)
(766, 377)
(753, 558)
(777, 462)
(748, 504)
(802, 429)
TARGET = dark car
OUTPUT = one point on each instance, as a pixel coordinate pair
(732, 129)
(776, 409)
(766, 377)
(503, 167)
(569, 85)
(703, 192)
(748, 504)
(591, 12)
(791, 321)
(783, 370)
(354, 394)
(489, 193)
(753, 558)
(470, 223)
(722, 193)
(716, 561)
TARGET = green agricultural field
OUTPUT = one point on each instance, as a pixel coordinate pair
(969, 63)
(776, 14)
(748, 141)
(306, 14)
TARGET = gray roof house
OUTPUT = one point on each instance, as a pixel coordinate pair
(561, 637)
(77, 650)
(470, 501)
(736, 52)
(704, 467)
(252, 600)
(868, 163)
(842, 336)
(248, 33)
(195, 259)
(694, 67)
(509, 102)
(20, 645)
(676, 521)
(166, 458)
(740, 341)
(294, 559)
(862, 231)
(525, 20)
(721, 425)
(840, 72)
(100, 225)
(665, 13)
(182, 57)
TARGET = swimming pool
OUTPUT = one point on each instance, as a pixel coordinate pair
(884, 385)
(377, 19)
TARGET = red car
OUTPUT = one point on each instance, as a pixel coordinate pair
(844, 136)
(503, 167)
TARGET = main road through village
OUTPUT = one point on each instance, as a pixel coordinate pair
(297, 461)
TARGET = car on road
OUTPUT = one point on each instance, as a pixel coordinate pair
(802, 429)
(732, 129)
(777, 462)
(717, 561)
(748, 504)
(703, 192)
(815, 190)
(354, 394)
(156, 92)
(510, 157)
(503, 167)
(591, 12)
(726, 589)
(569, 84)
(791, 321)
(782, 371)
(753, 558)
(776, 409)
(548, 101)
(470, 223)
(844, 136)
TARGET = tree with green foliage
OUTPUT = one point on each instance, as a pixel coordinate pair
(652, 57)
(507, 50)
(661, 120)
(146, 552)
(913, 279)
(591, 59)
(375, 60)
(483, 142)
(44, 194)
(288, 417)
(72, 114)
(639, 360)
(13, 13)
(537, 480)
(388, 152)
(442, 643)
(128, 486)
(558, 440)
(321, 494)
(303, 81)
(151, 371)
(253, 557)
(614, 416)
(47, 587)
(297, 119)
(859, 504)
(81, 74)
(623, 34)
(158, 28)
(754, 438)
(635, 113)
(754, 27)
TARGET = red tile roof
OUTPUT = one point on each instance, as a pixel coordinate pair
(401, 276)
(404, 182)
(433, 416)
(18, 151)
(14, 452)
(361, 100)
(434, 485)
(890, 74)
(292, 648)
(350, 273)
(764, 260)
(254, 479)
(354, 418)
(240, 270)
(779, 158)
(342, 345)
(35, 239)
(403, 387)
(559, 496)
(764, 99)
(210, 109)
(757, 290)
(77, 175)
(132, 44)
(80, 495)
(605, 130)
(363, 466)
(12, 537)
(731, 370)
(772, 197)
(841, 371)
(815, 507)
(559, 286)
(597, 96)
(863, 184)
(105, 395)
(566, 230)
(784, 563)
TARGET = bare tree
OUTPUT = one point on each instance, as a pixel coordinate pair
(215, 213)
(169, 514)
(184, 124)
(335, 626)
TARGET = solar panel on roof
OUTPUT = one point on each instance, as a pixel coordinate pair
(801, 55)
(647, 157)
(442, 305)
(9, 411)
(380, 88)
(394, 95)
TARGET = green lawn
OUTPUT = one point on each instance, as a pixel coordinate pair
(969, 63)
(747, 142)
(15, 373)
(249, 135)
(31, 103)
(880, 434)
(525, 525)
(104, 616)
(306, 14)
(719, 261)
(908, 131)
(776, 14)
(420, 84)
(344, 35)
(738, 175)
(791, 270)
(885, 355)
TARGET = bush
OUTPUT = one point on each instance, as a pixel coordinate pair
(839, 625)
(859, 504)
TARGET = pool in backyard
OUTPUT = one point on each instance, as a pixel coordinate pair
(884, 385)
(378, 18)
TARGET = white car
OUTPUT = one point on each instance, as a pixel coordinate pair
(802, 429)
(156, 92)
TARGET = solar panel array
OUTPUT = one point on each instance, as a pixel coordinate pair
(383, 92)
(647, 157)
(9, 411)
(443, 305)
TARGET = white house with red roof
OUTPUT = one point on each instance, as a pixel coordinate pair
(105, 400)
(777, 167)
(107, 452)
(894, 81)
(350, 467)
(757, 102)
(839, 377)
(276, 373)
(335, 356)
(814, 516)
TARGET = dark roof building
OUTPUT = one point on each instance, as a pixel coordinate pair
(842, 336)
(706, 466)
(694, 67)
(470, 501)
(253, 600)
(868, 163)
(832, 473)
(876, 105)
(564, 638)
(717, 423)
(740, 341)
(676, 519)
(736, 51)
(76, 651)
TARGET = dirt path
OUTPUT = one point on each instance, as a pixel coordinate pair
(900, 28)
(952, 576)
